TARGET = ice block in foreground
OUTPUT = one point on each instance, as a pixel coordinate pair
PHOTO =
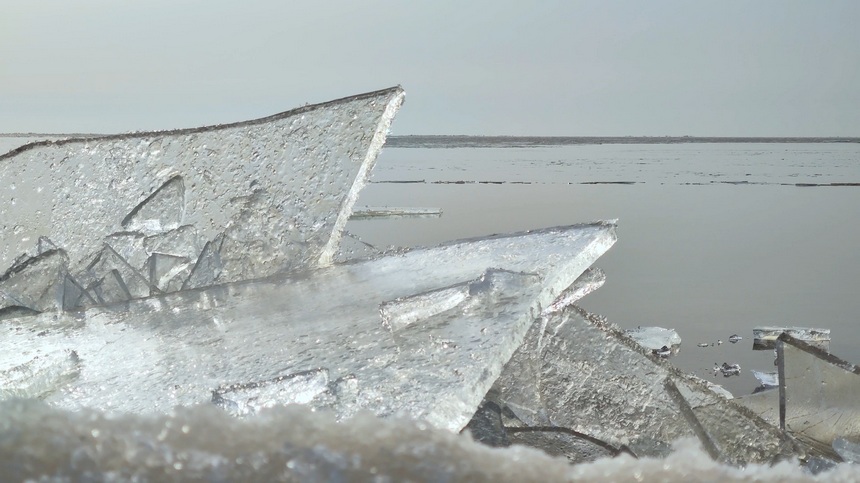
(423, 333)
(577, 372)
(106, 219)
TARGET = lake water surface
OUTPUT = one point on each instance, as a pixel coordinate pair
(714, 239)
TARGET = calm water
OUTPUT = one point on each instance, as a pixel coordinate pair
(714, 239)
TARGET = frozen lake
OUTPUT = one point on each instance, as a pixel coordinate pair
(714, 239)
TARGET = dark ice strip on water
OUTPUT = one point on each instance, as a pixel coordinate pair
(710, 183)
(445, 141)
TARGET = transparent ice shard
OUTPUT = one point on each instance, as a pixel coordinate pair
(163, 210)
(310, 162)
(36, 283)
(168, 272)
(130, 246)
(765, 337)
(591, 280)
(180, 242)
(578, 372)
(654, 338)
(388, 212)
(819, 394)
(249, 398)
(40, 376)
(116, 277)
(75, 295)
(176, 349)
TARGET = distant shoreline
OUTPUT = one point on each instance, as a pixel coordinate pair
(427, 141)
(459, 140)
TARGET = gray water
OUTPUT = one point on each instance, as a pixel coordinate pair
(714, 239)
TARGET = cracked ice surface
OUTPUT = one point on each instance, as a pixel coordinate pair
(577, 372)
(272, 195)
(423, 333)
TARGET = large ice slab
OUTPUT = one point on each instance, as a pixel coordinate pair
(423, 333)
(577, 372)
(275, 193)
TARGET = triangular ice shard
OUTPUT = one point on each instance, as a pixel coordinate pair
(309, 164)
(161, 211)
(818, 392)
(117, 277)
(207, 268)
(185, 345)
(37, 282)
(167, 272)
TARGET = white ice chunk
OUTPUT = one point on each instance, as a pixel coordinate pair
(176, 349)
(654, 338)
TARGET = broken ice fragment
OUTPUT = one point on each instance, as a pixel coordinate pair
(364, 213)
(401, 313)
(727, 369)
(654, 338)
(117, 277)
(591, 280)
(112, 289)
(249, 398)
(130, 246)
(45, 245)
(181, 242)
(818, 392)
(310, 162)
(207, 269)
(181, 346)
(588, 377)
(160, 211)
(734, 338)
(765, 337)
(75, 295)
(40, 376)
(37, 282)
(168, 272)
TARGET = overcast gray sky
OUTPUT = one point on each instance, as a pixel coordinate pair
(747, 68)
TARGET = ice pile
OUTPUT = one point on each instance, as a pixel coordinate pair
(169, 293)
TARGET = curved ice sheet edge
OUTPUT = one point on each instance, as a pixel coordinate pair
(152, 354)
(295, 444)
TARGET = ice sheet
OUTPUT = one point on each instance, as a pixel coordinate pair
(578, 372)
(431, 357)
(41, 443)
(276, 192)
(819, 393)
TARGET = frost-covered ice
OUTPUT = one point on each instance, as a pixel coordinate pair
(422, 333)
(106, 219)
(654, 338)
(388, 212)
(765, 337)
(292, 443)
